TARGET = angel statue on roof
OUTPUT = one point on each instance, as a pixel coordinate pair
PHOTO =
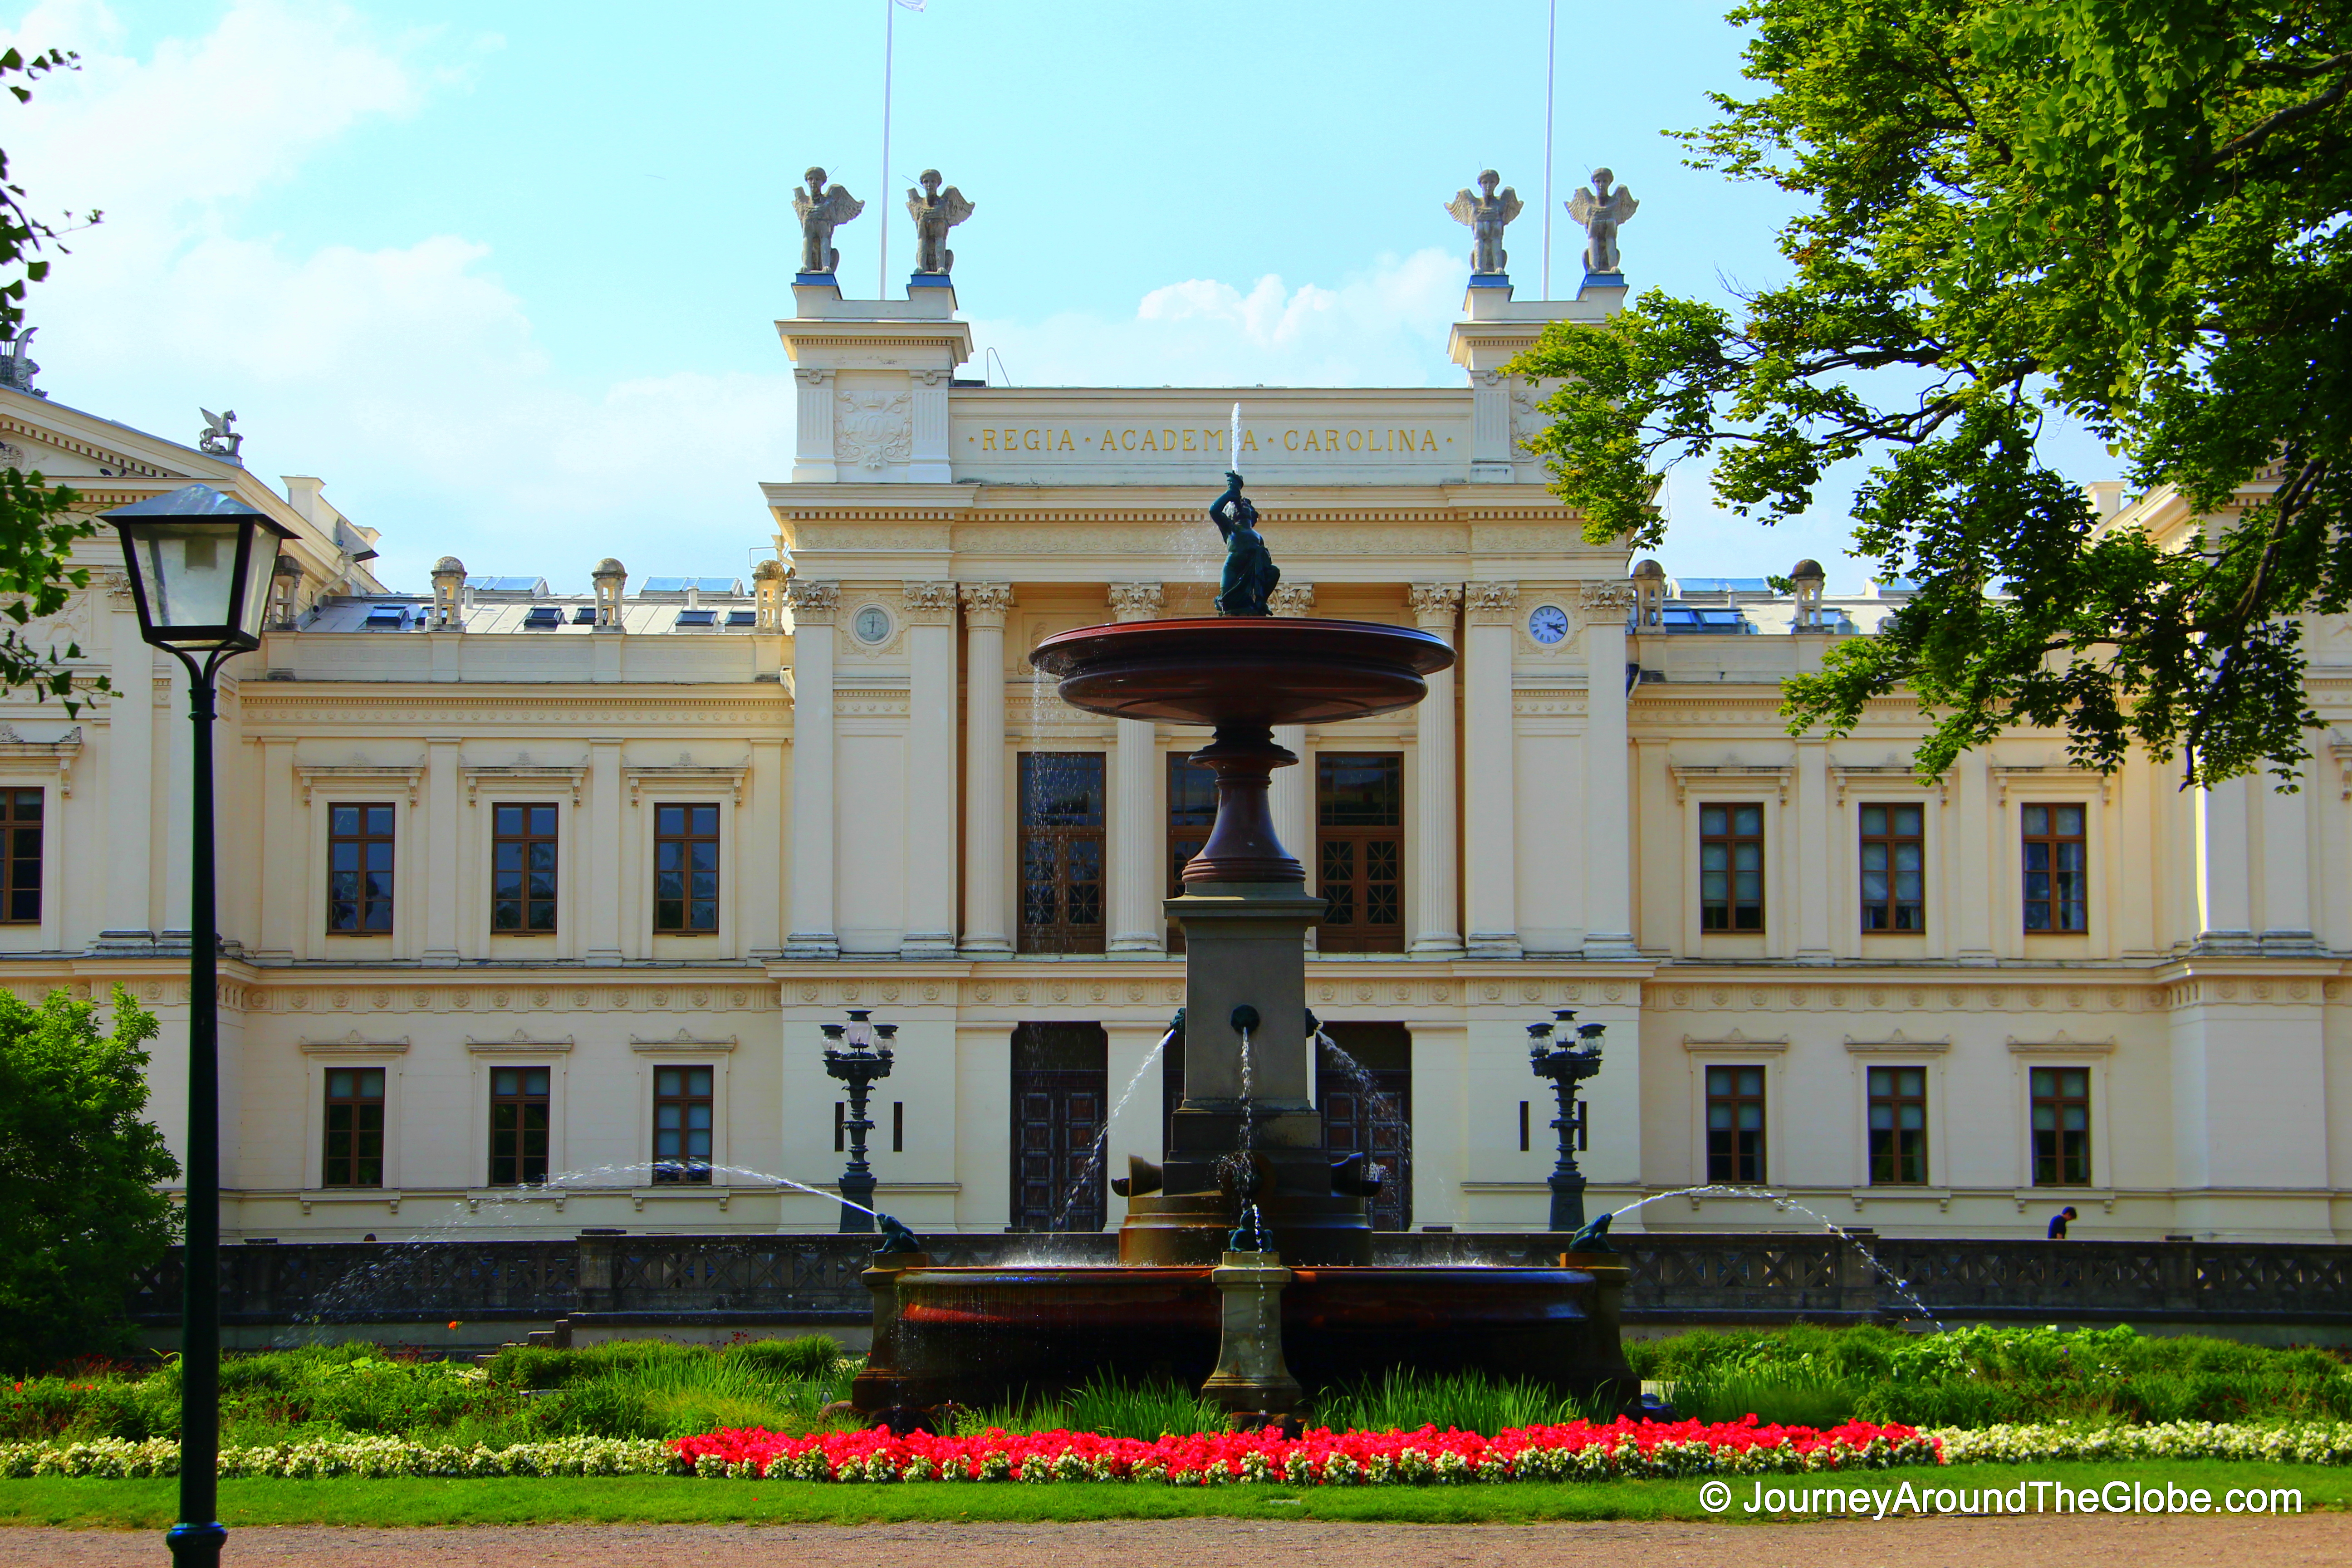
(1601, 210)
(821, 211)
(935, 211)
(1486, 212)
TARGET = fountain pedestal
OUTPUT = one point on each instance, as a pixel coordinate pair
(1250, 1382)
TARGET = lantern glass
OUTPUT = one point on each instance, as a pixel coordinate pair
(200, 564)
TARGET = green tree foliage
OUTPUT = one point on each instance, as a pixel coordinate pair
(2131, 211)
(79, 1167)
(38, 527)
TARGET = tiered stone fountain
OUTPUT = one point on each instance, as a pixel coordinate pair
(1251, 1235)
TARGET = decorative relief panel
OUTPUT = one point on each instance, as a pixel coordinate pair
(873, 429)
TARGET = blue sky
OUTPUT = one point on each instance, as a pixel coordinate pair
(504, 274)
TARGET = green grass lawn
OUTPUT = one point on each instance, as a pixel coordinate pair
(149, 1505)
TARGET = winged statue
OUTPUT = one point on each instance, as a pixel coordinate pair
(219, 439)
(935, 211)
(1487, 212)
(821, 211)
(1601, 210)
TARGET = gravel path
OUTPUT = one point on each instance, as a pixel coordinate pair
(2320, 1540)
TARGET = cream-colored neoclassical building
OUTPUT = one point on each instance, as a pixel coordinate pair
(520, 884)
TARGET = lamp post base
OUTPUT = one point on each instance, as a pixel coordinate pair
(195, 1545)
(1566, 1200)
(857, 1189)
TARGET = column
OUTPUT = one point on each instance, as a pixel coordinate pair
(1135, 879)
(129, 776)
(439, 852)
(1810, 876)
(1608, 814)
(930, 609)
(1437, 933)
(2224, 905)
(812, 606)
(602, 847)
(1489, 771)
(985, 930)
(1291, 796)
(813, 452)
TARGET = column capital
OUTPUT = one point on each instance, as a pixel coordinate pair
(814, 377)
(1136, 601)
(985, 603)
(1291, 600)
(812, 604)
(930, 604)
(1494, 604)
(1606, 601)
(1433, 604)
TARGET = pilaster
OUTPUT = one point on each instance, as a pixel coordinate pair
(602, 909)
(1435, 891)
(130, 777)
(2223, 859)
(812, 451)
(443, 854)
(1810, 874)
(930, 614)
(1490, 767)
(1608, 813)
(927, 460)
(986, 929)
(814, 606)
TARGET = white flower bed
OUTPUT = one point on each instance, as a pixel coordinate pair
(115, 1458)
(2303, 1443)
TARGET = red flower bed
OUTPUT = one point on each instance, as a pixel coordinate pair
(1575, 1450)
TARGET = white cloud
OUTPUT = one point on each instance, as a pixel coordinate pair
(1382, 327)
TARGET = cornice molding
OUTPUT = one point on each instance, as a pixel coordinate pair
(1776, 776)
(407, 777)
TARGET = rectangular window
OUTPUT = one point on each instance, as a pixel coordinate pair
(20, 856)
(2057, 892)
(686, 868)
(1360, 851)
(1898, 1127)
(682, 1117)
(522, 870)
(1192, 812)
(1061, 852)
(358, 869)
(518, 1121)
(355, 1128)
(1731, 867)
(1734, 1124)
(1894, 861)
(2062, 1127)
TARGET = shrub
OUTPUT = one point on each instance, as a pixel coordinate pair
(811, 1355)
(80, 1211)
(1785, 1394)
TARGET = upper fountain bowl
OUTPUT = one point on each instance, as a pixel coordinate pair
(1243, 670)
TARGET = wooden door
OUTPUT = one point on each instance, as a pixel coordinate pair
(1369, 1111)
(1061, 1093)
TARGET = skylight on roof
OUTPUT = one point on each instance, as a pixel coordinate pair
(698, 617)
(742, 618)
(543, 616)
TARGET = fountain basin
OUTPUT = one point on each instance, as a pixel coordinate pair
(1242, 672)
(980, 1336)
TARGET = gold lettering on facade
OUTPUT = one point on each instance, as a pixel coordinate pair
(1142, 438)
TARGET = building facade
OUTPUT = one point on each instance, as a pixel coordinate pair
(534, 902)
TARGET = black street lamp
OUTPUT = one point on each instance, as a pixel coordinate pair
(868, 1058)
(200, 564)
(1566, 1065)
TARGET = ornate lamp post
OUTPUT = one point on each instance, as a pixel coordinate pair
(866, 1057)
(1567, 1065)
(200, 564)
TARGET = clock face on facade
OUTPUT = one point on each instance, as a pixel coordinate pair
(871, 625)
(1547, 625)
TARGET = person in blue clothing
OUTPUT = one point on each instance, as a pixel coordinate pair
(2058, 1221)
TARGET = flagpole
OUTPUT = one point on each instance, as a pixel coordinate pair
(1551, 55)
(882, 272)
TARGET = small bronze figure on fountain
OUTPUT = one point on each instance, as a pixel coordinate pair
(1250, 574)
